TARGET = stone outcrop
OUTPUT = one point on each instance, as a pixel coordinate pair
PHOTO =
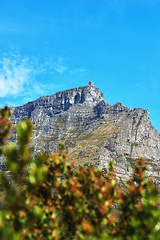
(94, 131)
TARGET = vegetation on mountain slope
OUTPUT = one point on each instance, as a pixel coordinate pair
(42, 197)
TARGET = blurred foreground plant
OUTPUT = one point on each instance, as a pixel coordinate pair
(43, 198)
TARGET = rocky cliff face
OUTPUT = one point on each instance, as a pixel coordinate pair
(94, 131)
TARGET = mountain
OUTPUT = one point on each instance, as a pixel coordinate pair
(94, 131)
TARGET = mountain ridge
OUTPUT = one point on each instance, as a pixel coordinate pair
(94, 131)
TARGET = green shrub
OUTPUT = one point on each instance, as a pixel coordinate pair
(43, 198)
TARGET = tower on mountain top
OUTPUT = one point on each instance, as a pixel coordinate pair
(90, 83)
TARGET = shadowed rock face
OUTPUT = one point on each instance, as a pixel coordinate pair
(92, 129)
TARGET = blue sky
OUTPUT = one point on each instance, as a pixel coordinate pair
(52, 45)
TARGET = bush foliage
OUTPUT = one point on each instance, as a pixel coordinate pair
(43, 197)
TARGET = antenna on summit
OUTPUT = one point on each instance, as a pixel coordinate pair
(90, 83)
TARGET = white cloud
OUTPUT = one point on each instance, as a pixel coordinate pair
(59, 65)
(15, 73)
(20, 76)
(78, 70)
(42, 89)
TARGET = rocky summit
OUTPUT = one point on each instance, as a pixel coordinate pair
(94, 131)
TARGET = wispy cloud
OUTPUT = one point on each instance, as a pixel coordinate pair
(41, 90)
(78, 70)
(21, 76)
(17, 72)
(60, 66)
(14, 74)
